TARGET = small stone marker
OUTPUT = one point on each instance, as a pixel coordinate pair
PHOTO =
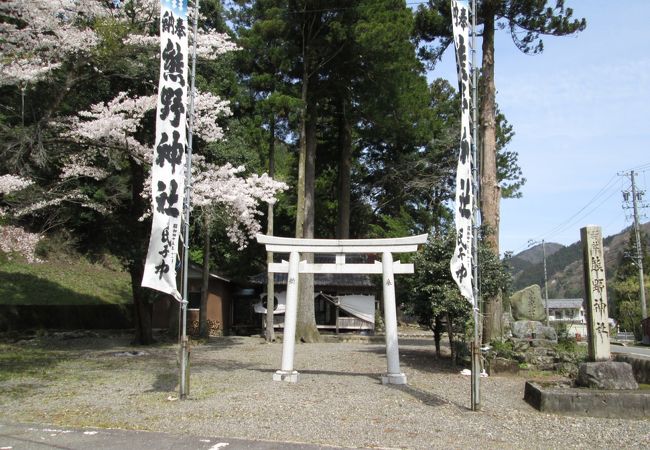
(595, 292)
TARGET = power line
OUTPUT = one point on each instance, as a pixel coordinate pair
(577, 215)
(642, 168)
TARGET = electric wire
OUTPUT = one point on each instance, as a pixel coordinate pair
(563, 226)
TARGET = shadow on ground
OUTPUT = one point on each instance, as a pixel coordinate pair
(420, 356)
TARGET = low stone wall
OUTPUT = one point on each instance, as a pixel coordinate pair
(628, 404)
(65, 317)
(640, 367)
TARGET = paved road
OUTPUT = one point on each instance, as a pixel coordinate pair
(642, 352)
(39, 437)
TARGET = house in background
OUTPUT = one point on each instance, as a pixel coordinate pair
(569, 310)
(220, 296)
(342, 302)
(571, 313)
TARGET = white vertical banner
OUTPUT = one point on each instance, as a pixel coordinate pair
(461, 261)
(168, 169)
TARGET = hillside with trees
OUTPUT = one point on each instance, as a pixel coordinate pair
(565, 276)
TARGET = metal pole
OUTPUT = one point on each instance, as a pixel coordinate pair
(639, 253)
(184, 381)
(545, 281)
(476, 345)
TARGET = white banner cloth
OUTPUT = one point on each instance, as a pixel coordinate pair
(168, 169)
(461, 261)
(361, 306)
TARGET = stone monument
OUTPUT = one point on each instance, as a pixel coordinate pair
(528, 312)
(527, 304)
(595, 293)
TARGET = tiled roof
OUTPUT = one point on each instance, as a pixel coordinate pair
(564, 303)
(322, 279)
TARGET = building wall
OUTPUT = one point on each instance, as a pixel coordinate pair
(219, 303)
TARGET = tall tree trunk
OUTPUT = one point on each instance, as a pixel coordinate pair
(302, 155)
(204, 331)
(450, 335)
(306, 330)
(270, 283)
(142, 307)
(345, 169)
(437, 334)
(490, 191)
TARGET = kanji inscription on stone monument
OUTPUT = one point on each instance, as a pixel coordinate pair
(595, 293)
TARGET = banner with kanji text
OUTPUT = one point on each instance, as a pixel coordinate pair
(461, 261)
(168, 168)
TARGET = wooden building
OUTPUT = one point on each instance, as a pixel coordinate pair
(342, 302)
(220, 297)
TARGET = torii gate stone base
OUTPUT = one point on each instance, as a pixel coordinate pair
(388, 268)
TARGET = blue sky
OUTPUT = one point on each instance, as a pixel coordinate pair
(581, 114)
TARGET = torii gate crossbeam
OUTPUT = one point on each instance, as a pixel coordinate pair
(388, 268)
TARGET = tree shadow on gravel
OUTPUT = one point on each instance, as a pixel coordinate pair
(372, 376)
(421, 395)
(421, 359)
(165, 382)
(425, 397)
(201, 365)
(218, 342)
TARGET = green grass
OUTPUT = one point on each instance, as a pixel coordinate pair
(64, 281)
(21, 361)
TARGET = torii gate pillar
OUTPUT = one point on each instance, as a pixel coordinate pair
(394, 375)
(388, 268)
(286, 373)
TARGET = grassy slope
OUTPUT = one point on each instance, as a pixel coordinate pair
(62, 282)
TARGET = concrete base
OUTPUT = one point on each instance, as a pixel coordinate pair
(393, 378)
(572, 401)
(289, 377)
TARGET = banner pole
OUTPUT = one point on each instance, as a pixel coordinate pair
(476, 346)
(185, 352)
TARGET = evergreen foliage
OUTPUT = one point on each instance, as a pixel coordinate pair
(332, 91)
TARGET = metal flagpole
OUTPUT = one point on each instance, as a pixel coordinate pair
(476, 346)
(185, 351)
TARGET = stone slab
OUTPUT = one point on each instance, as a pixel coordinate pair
(588, 402)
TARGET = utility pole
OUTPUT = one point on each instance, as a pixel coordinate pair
(545, 281)
(639, 253)
(543, 242)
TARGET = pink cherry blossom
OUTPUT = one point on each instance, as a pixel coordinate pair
(10, 183)
(16, 240)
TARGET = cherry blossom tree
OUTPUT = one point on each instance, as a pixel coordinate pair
(102, 167)
(15, 239)
(39, 35)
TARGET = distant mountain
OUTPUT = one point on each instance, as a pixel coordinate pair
(564, 265)
(535, 255)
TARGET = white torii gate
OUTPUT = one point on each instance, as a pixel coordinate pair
(341, 247)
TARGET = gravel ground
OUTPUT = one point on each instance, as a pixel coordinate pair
(96, 382)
